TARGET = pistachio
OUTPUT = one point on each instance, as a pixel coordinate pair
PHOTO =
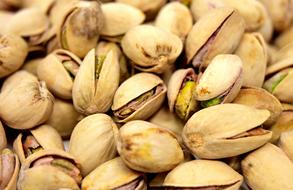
(284, 38)
(24, 101)
(189, 175)
(139, 97)
(259, 171)
(181, 97)
(3, 140)
(92, 141)
(150, 48)
(284, 53)
(224, 130)
(143, 146)
(95, 83)
(221, 81)
(217, 32)
(5, 17)
(32, 65)
(117, 175)
(285, 143)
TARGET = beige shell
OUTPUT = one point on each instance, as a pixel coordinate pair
(3, 140)
(267, 29)
(225, 130)
(272, 54)
(285, 143)
(119, 18)
(12, 183)
(223, 77)
(133, 88)
(64, 117)
(143, 146)
(260, 173)
(253, 53)
(5, 17)
(90, 94)
(151, 48)
(53, 72)
(175, 18)
(261, 99)
(203, 174)
(113, 174)
(282, 125)
(217, 32)
(12, 54)
(31, 66)
(81, 24)
(45, 135)
(25, 103)
(36, 178)
(284, 38)
(284, 52)
(92, 141)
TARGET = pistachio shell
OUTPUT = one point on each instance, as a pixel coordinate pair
(261, 99)
(217, 32)
(175, 18)
(31, 66)
(253, 53)
(260, 173)
(119, 18)
(190, 175)
(284, 52)
(13, 180)
(284, 38)
(134, 88)
(143, 147)
(267, 29)
(92, 141)
(3, 140)
(5, 17)
(53, 71)
(93, 92)
(225, 130)
(285, 143)
(25, 103)
(283, 124)
(113, 174)
(150, 48)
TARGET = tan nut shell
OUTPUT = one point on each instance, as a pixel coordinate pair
(45, 177)
(133, 88)
(227, 39)
(284, 38)
(57, 78)
(203, 173)
(261, 99)
(208, 132)
(284, 52)
(253, 53)
(119, 18)
(3, 140)
(285, 143)
(175, 18)
(150, 48)
(143, 146)
(92, 141)
(45, 135)
(25, 103)
(91, 95)
(282, 125)
(12, 183)
(110, 175)
(31, 66)
(259, 171)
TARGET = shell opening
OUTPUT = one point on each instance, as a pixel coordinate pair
(257, 131)
(272, 83)
(132, 185)
(30, 145)
(99, 61)
(210, 187)
(69, 64)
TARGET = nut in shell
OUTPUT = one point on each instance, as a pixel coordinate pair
(3, 139)
(285, 143)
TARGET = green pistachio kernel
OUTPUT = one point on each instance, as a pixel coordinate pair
(211, 102)
(99, 64)
(271, 84)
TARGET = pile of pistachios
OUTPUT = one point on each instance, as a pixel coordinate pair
(146, 94)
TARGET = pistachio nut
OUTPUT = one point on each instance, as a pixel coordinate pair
(139, 97)
(104, 47)
(150, 48)
(149, 7)
(29, 142)
(221, 81)
(5, 17)
(31, 66)
(64, 117)
(24, 101)
(284, 38)
(225, 130)
(279, 80)
(119, 18)
(114, 174)
(189, 175)
(284, 53)
(217, 32)
(272, 54)
(253, 53)
(181, 96)
(3, 139)
(81, 24)
(92, 141)
(267, 29)
(58, 70)
(268, 168)
(285, 143)
(261, 99)
(175, 18)
(143, 146)
(52, 169)
(12, 54)
(280, 11)
(9, 168)
(95, 83)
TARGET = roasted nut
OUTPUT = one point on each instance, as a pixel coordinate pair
(285, 143)
(284, 38)
(224, 130)
(3, 140)
(32, 65)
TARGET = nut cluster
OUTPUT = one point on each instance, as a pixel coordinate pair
(146, 94)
